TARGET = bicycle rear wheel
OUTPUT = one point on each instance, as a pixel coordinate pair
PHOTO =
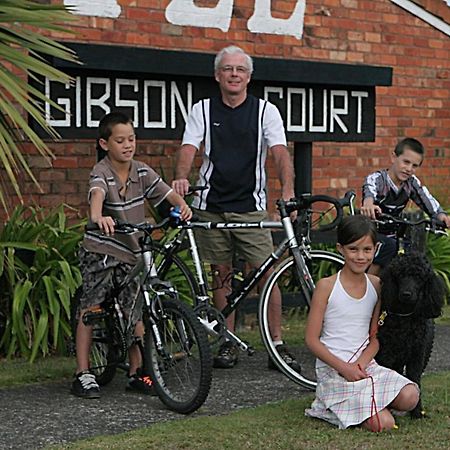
(294, 310)
(181, 369)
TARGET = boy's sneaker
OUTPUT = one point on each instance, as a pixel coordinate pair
(85, 385)
(287, 357)
(141, 383)
(227, 356)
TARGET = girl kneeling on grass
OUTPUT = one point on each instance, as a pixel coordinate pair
(352, 388)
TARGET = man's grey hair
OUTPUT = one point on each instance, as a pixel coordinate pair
(232, 50)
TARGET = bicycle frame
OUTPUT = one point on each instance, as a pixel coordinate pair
(298, 250)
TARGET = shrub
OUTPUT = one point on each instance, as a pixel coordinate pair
(38, 275)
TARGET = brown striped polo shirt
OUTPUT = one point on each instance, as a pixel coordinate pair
(143, 183)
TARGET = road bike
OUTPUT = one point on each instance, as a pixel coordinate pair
(175, 349)
(296, 268)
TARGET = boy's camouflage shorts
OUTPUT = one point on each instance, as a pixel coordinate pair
(100, 273)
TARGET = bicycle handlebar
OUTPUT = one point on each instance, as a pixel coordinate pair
(434, 226)
(305, 201)
(128, 227)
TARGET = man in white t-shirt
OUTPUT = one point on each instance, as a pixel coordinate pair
(235, 131)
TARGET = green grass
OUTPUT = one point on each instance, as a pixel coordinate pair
(445, 318)
(17, 372)
(283, 426)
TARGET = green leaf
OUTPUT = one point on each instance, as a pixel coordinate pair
(39, 335)
(25, 43)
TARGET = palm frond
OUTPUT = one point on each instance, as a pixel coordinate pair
(25, 43)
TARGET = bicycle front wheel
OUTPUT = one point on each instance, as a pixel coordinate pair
(180, 364)
(294, 310)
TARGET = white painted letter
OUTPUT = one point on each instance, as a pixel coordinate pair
(148, 84)
(186, 12)
(359, 95)
(290, 93)
(176, 96)
(100, 102)
(99, 8)
(318, 128)
(65, 102)
(263, 22)
(334, 112)
(272, 90)
(133, 103)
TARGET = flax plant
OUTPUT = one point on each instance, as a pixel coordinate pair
(24, 44)
(36, 287)
(438, 250)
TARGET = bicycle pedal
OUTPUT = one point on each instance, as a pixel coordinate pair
(250, 351)
(94, 315)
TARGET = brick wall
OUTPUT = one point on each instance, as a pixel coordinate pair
(374, 32)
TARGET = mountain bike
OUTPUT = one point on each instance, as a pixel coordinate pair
(175, 350)
(410, 234)
(295, 276)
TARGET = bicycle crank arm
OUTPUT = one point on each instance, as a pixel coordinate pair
(243, 346)
(214, 328)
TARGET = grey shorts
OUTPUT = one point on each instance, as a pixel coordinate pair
(219, 246)
(100, 273)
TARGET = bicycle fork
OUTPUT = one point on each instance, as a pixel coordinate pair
(157, 316)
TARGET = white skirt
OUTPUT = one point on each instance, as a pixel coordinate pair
(344, 403)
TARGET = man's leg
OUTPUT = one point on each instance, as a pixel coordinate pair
(222, 288)
(227, 356)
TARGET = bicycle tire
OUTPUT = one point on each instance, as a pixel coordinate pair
(294, 311)
(182, 370)
(171, 267)
(102, 355)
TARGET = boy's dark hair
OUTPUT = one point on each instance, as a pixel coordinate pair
(412, 144)
(353, 228)
(105, 127)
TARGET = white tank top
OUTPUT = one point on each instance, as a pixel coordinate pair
(346, 321)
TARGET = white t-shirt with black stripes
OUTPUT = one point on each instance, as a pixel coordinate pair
(235, 142)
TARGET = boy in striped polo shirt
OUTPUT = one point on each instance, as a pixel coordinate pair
(118, 186)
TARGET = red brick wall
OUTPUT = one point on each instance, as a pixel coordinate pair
(374, 32)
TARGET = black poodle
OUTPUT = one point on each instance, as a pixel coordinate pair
(412, 296)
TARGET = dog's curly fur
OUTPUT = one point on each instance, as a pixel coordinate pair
(412, 295)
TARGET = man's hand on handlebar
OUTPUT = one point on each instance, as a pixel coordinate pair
(181, 186)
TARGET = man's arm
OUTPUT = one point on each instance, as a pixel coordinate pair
(185, 158)
(285, 171)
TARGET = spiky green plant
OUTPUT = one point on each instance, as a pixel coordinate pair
(24, 43)
(35, 294)
(438, 250)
